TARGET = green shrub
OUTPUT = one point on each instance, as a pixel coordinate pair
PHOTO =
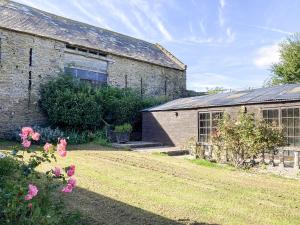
(120, 105)
(28, 197)
(7, 166)
(100, 138)
(70, 104)
(124, 128)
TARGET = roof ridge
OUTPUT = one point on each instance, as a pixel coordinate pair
(171, 56)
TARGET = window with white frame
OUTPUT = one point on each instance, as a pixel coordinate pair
(208, 122)
(271, 116)
(291, 127)
(93, 77)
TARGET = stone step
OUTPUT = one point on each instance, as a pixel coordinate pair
(136, 144)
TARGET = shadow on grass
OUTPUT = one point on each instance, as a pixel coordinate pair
(99, 209)
(8, 145)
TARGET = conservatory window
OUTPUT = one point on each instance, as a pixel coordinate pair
(271, 116)
(291, 127)
(208, 122)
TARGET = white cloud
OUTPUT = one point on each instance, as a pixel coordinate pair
(220, 13)
(273, 29)
(152, 14)
(266, 56)
(230, 35)
(222, 3)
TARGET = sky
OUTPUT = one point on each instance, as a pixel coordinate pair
(224, 43)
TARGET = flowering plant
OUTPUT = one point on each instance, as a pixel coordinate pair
(38, 156)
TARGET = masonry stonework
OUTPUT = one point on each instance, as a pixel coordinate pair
(20, 82)
(154, 80)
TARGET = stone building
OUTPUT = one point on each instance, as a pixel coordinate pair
(35, 46)
(175, 122)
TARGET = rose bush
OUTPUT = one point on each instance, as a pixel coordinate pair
(26, 195)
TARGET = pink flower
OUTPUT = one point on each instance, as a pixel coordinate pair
(71, 170)
(32, 192)
(72, 182)
(26, 143)
(30, 205)
(35, 136)
(68, 188)
(61, 149)
(57, 171)
(28, 197)
(47, 147)
(27, 131)
(63, 142)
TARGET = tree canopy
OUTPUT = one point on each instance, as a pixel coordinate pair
(288, 69)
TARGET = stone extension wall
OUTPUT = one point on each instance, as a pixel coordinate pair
(176, 127)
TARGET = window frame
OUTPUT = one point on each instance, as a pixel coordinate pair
(210, 124)
(93, 82)
(280, 124)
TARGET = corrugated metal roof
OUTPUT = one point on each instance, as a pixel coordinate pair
(23, 18)
(280, 93)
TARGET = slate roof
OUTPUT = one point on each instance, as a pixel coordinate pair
(19, 17)
(280, 93)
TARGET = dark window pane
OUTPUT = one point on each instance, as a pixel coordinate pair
(296, 121)
(291, 141)
(284, 122)
(297, 132)
(270, 113)
(290, 112)
(290, 122)
(265, 114)
(201, 123)
(276, 113)
(284, 112)
(296, 112)
(297, 141)
(290, 132)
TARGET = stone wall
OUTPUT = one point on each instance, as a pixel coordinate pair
(19, 94)
(177, 126)
(155, 79)
(20, 83)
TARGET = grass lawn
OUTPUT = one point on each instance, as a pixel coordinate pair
(129, 188)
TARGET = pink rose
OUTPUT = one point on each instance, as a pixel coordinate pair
(57, 171)
(47, 147)
(61, 150)
(28, 197)
(63, 142)
(35, 136)
(26, 143)
(68, 188)
(32, 192)
(71, 170)
(27, 131)
(72, 182)
(30, 205)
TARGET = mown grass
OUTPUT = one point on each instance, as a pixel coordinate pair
(119, 187)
